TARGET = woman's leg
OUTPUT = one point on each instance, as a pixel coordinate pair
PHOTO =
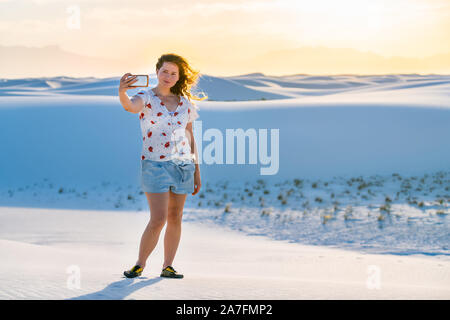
(173, 229)
(158, 203)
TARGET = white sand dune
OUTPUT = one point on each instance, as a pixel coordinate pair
(40, 261)
(348, 147)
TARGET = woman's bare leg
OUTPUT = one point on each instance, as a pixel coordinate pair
(158, 204)
(173, 229)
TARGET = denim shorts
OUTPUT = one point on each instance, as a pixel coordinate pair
(162, 176)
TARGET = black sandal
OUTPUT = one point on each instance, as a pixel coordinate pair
(169, 272)
(136, 271)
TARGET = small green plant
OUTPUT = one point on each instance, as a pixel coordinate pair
(297, 182)
(385, 208)
(362, 186)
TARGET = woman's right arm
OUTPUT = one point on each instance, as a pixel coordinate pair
(136, 103)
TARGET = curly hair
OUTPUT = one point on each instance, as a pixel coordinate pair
(188, 77)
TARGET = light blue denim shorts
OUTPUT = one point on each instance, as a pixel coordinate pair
(162, 176)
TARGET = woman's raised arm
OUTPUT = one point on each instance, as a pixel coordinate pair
(135, 104)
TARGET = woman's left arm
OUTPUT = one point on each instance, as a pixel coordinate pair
(190, 136)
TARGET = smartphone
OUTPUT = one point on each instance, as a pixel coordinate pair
(142, 80)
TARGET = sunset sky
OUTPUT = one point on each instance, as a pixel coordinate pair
(232, 36)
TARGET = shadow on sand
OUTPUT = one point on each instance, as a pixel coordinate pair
(119, 290)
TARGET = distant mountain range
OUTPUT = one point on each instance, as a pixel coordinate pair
(21, 61)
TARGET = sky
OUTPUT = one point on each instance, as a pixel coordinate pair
(225, 37)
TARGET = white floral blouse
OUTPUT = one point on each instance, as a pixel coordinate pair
(164, 132)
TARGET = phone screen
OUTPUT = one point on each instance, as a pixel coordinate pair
(142, 81)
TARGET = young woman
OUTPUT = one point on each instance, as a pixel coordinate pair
(169, 159)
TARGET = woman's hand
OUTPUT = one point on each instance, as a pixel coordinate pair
(197, 182)
(126, 81)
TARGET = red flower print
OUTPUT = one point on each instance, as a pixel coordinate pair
(167, 144)
(181, 103)
(162, 103)
(140, 93)
(162, 157)
(141, 115)
(142, 157)
(153, 122)
(159, 114)
(189, 110)
(148, 105)
(163, 134)
(179, 122)
(149, 134)
(168, 123)
(175, 114)
(150, 149)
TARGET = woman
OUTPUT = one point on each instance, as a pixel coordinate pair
(169, 166)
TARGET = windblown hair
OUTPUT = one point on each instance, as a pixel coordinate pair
(188, 77)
